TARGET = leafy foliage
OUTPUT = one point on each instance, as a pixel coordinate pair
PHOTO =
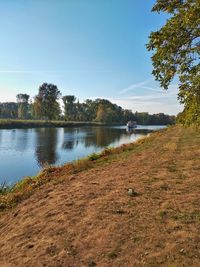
(102, 110)
(9, 110)
(22, 100)
(70, 110)
(46, 104)
(176, 48)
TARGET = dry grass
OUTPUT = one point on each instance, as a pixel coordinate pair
(82, 214)
(25, 188)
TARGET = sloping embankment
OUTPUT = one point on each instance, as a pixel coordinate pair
(87, 218)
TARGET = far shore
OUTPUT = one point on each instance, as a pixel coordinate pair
(24, 124)
(18, 124)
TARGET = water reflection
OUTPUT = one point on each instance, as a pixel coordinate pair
(98, 137)
(21, 139)
(69, 139)
(17, 139)
(30, 149)
(46, 142)
(103, 136)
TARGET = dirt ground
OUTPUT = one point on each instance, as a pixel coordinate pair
(91, 218)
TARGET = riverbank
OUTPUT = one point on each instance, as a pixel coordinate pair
(18, 124)
(137, 205)
(24, 124)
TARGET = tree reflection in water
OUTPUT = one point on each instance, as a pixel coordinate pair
(98, 137)
(69, 140)
(46, 143)
(30, 149)
(103, 136)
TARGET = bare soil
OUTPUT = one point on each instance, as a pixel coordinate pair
(91, 218)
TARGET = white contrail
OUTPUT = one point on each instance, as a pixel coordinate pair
(134, 85)
(53, 71)
(23, 71)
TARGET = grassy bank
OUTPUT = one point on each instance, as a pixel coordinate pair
(137, 205)
(11, 195)
(17, 124)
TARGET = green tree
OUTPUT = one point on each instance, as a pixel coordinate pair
(9, 110)
(101, 113)
(46, 105)
(22, 100)
(69, 106)
(176, 52)
(108, 112)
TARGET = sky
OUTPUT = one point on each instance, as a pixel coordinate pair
(88, 48)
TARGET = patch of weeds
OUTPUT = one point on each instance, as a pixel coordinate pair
(164, 187)
(92, 264)
(22, 184)
(172, 168)
(112, 254)
(136, 239)
(150, 180)
(131, 204)
(119, 211)
(5, 188)
(56, 182)
(196, 168)
(80, 165)
(162, 213)
(94, 156)
(159, 244)
(182, 176)
(107, 151)
(52, 250)
(187, 218)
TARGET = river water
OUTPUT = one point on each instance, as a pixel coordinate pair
(23, 152)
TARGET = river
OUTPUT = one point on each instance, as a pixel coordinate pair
(23, 152)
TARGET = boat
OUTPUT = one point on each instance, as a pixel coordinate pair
(131, 124)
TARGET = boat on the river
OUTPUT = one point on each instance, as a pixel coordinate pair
(131, 124)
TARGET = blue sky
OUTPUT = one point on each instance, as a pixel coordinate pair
(89, 48)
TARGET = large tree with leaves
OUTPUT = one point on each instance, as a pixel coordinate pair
(46, 104)
(176, 53)
(22, 100)
(69, 107)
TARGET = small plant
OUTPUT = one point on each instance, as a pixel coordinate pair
(162, 213)
(112, 255)
(5, 188)
(164, 186)
(92, 264)
(172, 168)
(94, 156)
(22, 185)
(107, 151)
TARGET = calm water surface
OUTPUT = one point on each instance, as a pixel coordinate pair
(23, 152)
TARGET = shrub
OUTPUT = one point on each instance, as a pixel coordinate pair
(94, 156)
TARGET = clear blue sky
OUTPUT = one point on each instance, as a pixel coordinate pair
(89, 48)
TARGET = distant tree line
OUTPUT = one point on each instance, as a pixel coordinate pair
(45, 106)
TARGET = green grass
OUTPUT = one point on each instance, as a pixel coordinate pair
(12, 123)
(5, 188)
(94, 156)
